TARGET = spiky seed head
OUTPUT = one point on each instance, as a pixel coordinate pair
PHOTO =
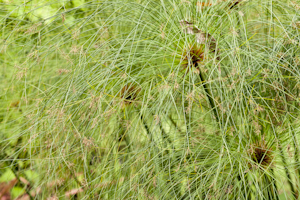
(193, 55)
(129, 93)
(261, 155)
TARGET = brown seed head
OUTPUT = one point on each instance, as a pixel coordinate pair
(234, 3)
(193, 55)
(129, 93)
(261, 155)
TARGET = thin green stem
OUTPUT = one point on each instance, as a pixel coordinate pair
(147, 128)
(174, 124)
(274, 184)
(296, 153)
(208, 94)
(287, 172)
(164, 134)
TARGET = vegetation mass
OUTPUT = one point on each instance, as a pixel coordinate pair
(152, 99)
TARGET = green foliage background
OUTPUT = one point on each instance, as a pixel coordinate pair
(226, 127)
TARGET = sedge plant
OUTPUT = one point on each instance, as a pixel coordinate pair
(150, 99)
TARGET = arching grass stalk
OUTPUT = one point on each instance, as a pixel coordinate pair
(271, 191)
(296, 153)
(164, 134)
(244, 185)
(123, 136)
(274, 184)
(174, 124)
(147, 128)
(74, 175)
(287, 172)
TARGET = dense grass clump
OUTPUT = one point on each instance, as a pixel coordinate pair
(151, 99)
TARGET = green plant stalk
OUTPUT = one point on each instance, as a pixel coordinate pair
(295, 143)
(267, 27)
(274, 184)
(287, 171)
(208, 94)
(147, 129)
(165, 135)
(156, 150)
(76, 179)
(174, 124)
(248, 187)
(296, 153)
(122, 137)
(243, 187)
(269, 184)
